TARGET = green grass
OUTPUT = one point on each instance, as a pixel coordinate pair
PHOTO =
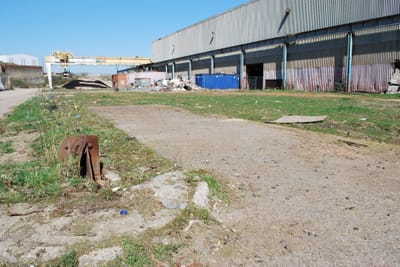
(69, 259)
(55, 117)
(28, 181)
(367, 116)
(6, 148)
(164, 253)
(135, 254)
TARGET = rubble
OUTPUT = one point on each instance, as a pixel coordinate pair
(394, 83)
(176, 85)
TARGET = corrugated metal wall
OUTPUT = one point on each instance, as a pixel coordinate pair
(316, 63)
(265, 19)
(373, 54)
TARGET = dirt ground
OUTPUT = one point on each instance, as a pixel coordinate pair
(300, 198)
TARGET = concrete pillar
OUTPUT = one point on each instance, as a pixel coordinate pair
(173, 70)
(49, 77)
(166, 71)
(212, 64)
(190, 70)
(284, 65)
(349, 60)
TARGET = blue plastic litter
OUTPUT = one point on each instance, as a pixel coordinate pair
(123, 212)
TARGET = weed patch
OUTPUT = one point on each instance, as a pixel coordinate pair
(6, 148)
(55, 117)
(135, 254)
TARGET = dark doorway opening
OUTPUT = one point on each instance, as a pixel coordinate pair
(255, 75)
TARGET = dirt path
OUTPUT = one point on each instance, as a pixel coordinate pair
(12, 98)
(301, 198)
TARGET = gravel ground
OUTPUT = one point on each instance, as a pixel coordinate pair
(300, 198)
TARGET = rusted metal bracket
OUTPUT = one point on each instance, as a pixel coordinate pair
(86, 149)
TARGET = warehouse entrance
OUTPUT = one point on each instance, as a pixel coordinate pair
(255, 75)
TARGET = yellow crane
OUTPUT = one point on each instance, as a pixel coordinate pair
(67, 58)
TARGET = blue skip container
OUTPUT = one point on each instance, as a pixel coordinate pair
(218, 81)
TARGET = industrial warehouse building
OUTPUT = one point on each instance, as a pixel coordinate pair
(308, 45)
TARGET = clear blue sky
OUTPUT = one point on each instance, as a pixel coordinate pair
(98, 27)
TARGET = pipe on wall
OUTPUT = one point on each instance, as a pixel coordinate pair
(349, 60)
(284, 65)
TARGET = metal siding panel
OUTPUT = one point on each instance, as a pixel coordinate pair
(260, 20)
(316, 62)
(374, 52)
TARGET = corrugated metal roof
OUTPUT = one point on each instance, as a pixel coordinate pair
(267, 19)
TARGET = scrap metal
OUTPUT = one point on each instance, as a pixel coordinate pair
(86, 149)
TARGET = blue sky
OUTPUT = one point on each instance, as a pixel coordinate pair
(98, 27)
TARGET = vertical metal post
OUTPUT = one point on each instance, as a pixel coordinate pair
(349, 60)
(212, 60)
(190, 70)
(49, 77)
(284, 63)
(241, 69)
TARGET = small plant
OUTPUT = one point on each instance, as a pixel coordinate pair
(6, 148)
(69, 259)
(136, 255)
(164, 253)
(107, 194)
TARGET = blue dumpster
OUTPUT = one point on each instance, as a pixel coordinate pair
(218, 81)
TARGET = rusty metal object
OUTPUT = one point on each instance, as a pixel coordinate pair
(86, 149)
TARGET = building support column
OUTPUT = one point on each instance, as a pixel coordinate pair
(166, 71)
(349, 60)
(49, 76)
(212, 64)
(173, 70)
(241, 70)
(284, 65)
(190, 70)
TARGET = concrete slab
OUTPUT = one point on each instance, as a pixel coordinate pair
(300, 119)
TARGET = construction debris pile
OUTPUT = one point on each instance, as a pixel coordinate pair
(394, 83)
(175, 85)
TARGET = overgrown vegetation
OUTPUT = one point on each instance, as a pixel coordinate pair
(362, 116)
(56, 117)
